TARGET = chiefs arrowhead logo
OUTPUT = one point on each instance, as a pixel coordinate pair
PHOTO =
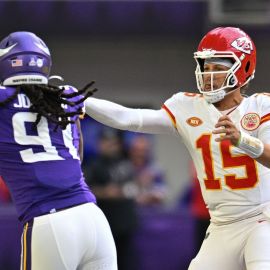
(250, 121)
(243, 44)
(194, 121)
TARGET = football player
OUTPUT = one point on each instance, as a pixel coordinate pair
(228, 137)
(39, 160)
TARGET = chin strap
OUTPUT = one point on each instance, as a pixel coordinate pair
(217, 96)
(214, 97)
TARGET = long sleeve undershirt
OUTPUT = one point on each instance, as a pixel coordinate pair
(120, 117)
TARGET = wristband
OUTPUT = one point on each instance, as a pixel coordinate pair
(250, 145)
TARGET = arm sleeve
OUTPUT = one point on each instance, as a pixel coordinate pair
(264, 134)
(120, 117)
(264, 129)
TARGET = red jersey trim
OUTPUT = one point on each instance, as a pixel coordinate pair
(265, 118)
(172, 117)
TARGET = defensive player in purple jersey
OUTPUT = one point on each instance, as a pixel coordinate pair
(39, 161)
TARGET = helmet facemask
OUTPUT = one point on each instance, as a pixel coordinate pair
(230, 82)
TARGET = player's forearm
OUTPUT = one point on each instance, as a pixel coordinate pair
(112, 114)
(120, 117)
(264, 159)
(80, 150)
(255, 148)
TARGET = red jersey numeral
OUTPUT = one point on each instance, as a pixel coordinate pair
(228, 161)
(211, 182)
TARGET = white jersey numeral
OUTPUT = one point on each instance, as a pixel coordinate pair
(42, 138)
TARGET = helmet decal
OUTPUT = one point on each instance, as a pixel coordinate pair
(243, 44)
(6, 50)
(43, 48)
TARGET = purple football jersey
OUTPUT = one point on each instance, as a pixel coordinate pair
(40, 166)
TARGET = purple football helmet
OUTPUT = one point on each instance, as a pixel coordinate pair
(24, 59)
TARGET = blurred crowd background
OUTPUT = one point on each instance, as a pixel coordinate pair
(139, 52)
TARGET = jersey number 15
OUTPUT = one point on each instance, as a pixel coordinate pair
(228, 161)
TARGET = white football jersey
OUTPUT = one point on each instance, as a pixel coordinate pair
(234, 186)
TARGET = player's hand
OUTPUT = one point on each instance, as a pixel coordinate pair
(227, 130)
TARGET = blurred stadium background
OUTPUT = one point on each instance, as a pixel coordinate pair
(140, 53)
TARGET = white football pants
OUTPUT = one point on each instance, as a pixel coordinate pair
(243, 245)
(78, 238)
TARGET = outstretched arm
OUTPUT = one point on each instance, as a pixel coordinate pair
(120, 117)
(80, 150)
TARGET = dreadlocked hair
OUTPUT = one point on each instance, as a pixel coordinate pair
(49, 100)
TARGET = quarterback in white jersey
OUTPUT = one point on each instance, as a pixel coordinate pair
(233, 184)
(228, 137)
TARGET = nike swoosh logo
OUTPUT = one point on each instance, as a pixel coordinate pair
(44, 49)
(6, 50)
